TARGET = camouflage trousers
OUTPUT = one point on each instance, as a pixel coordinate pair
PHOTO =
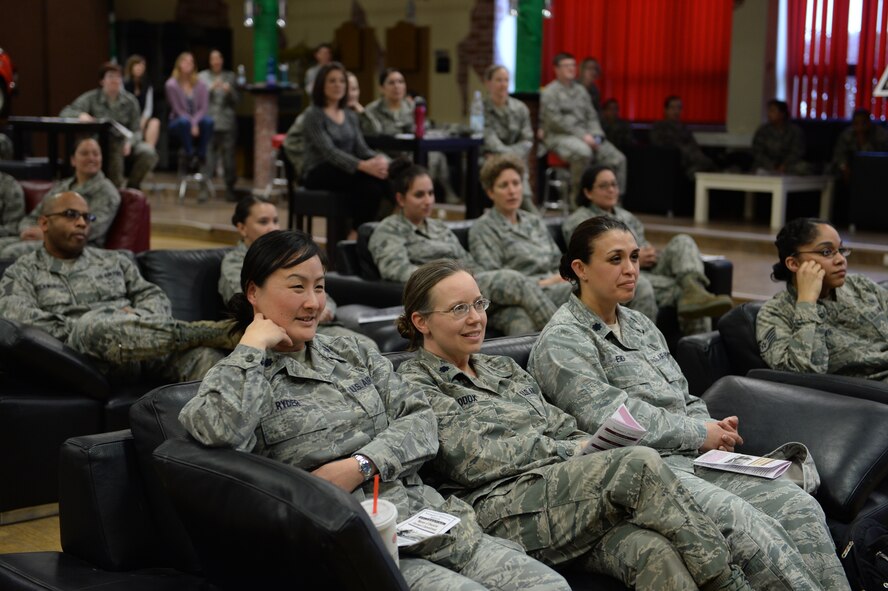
(645, 300)
(580, 156)
(776, 531)
(518, 304)
(693, 160)
(11, 247)
(621, 512)
(132, 344)
(222, 149)
(680, 258)
(144, 159)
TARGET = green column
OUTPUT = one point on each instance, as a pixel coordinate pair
(265, 39)
(530, 46)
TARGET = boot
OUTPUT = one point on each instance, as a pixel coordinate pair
(696, 302)
(730, 580)
(216, 334)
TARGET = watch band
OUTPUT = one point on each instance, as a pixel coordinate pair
(365, 466)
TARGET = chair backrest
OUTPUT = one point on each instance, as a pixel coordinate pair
(190, 279)
(34, 192)
(131, 229)
(737, 329)
(366, 264)
(553, 224)
(518, 348)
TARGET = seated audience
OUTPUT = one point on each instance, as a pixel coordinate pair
(12, 206)
(6, 147)
(90, 183)
(507, 128)
(222, 85)
(825, 321)
(595, 355)
(96, 302)
(862, 136)
(323, 55)
(410, 237)
(188, 98)
(505, 237)
(670, 131)
(111, 101)
(674, 277)
(137, 83)
(778, 145)
(590, 71)
(518, 460)
(338, 409)
(618, 131)
(570, 125)
(335, 156)
(253, 217)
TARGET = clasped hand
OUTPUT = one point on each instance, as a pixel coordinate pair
(722, 435)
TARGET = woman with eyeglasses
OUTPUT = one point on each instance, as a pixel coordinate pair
(825, 321)
(517, 459)
(673, 276)
(90, 183)
(411, 237)
(336, 408)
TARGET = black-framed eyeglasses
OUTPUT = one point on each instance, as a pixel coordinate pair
(827, 253)
(462, 310)
(73, 214)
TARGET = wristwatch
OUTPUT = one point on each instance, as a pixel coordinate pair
(365, 465)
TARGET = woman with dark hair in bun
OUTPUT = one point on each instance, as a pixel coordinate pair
(410, 237)
(826, 320)
(596, 355)
(518, 461)
(337, 409)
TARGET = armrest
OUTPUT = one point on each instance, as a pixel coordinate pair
(351, 289)
(848, 386)
(258, 523)
(842, 433)
(703, 359)
(103, 515)
(28, 351)
(720, 273)
(347, 257)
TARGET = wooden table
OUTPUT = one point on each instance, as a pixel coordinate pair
(778, 185)
(469, 146)
(70, 128)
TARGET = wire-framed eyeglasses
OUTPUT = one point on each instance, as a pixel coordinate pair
(462, 310)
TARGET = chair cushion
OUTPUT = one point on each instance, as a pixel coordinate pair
(258, 523)
(131, 229)
(737, 329)
(34, 192)
(190, 278)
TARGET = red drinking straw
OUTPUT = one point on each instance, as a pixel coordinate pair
(375, 492)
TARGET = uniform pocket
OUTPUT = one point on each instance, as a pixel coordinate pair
(517, 511)
(292, 423)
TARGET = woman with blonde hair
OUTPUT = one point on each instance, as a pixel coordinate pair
(188, 99)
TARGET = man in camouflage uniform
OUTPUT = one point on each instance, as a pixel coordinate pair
(12, 206)
(223, 102)
(670, 131)
(861, 136)
(775, 529)
(571, 127)
(778, 145)
(398, 247)
(516, 459)
(95, 301)
(675, 275)
(111, 101)
(836, 335)
(332, 401)
(618, 131)
(6, 147)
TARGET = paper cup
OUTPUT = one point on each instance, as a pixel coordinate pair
(386, 521)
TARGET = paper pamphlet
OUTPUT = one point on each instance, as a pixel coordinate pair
(620, 430)
(742, 463)
(381, 315)
(120, 129)
(425, 524)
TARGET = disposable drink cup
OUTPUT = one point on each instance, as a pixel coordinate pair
(385, 520)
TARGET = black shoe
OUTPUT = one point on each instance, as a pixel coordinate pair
(194, 165)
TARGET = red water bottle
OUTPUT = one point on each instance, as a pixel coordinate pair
(419, 113)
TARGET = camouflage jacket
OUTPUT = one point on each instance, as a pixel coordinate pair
(507, 129)
(847, 335)
(774, 146)
(527, 246)
(590, 210)
(382, 121)
(568, 110)
(222, 103)
(125, 110)
(12, 205)
(50, 293)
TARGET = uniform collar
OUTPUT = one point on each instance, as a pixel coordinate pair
(632, 330)
(321, 362)
(448, 372)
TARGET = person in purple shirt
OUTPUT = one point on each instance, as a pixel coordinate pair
(188, 99)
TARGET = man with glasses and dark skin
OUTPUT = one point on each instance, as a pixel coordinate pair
(827, 320)
(96, 302)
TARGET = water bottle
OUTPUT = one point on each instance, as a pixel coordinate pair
(419, 113)
(241, 75)
(284, 77)
(271, 77)
(476, 115)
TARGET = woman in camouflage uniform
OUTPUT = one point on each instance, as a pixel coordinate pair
(334, 407)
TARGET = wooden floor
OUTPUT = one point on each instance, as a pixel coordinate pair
(208, 225)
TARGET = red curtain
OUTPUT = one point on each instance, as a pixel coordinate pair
(648, 50)
(817, 57)
(871, 59)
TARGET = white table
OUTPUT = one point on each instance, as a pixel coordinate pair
(778, 185)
